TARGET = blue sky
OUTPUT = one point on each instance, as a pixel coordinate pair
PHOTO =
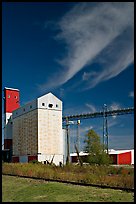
(81, 52)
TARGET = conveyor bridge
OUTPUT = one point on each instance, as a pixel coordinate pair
(121, 111)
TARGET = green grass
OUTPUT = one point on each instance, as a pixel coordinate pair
(15, 189)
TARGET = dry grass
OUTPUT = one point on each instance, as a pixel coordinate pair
(103, 175)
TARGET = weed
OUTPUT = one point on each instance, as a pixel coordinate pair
(95, 174)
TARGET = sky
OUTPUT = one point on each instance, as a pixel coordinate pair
(82, 52)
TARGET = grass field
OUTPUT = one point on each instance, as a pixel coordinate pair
(15, 189)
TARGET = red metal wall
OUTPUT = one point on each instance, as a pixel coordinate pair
(124, 158)
(11, 100)
(30, 158)
(15, 159)
(7, 143)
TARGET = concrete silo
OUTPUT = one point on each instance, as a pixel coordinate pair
(37, 131)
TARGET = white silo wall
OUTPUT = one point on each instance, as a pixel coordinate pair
(132, 156)
(64, 145)
(25, 134)
(50, 137)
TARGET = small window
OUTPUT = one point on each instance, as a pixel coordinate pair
(16, 113)
(24, 109)
(43, 104)
(8, 96)
(30, 106)
(57, 106)
(50, 105)
(11, 123)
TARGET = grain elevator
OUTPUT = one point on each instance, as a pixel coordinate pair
(37, 130)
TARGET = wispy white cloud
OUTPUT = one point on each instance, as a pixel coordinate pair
(91, 107)
(90, 30)
(131, 94)
(85, 129)
(115, 62)
(87, 75)
(114, 106)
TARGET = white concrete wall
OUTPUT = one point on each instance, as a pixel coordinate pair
(49, 99)
(50, 135)
(132, 156)
(64, 144)
(7, 117)
(56, 158)
(25, 134)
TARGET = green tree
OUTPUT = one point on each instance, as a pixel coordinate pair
(95, 150)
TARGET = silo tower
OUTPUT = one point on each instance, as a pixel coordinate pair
(11, 103)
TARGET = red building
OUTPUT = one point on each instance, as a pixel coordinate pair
(120, 157)
(11, 103)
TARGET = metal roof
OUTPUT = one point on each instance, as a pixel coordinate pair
(11, 88)
(110, 151)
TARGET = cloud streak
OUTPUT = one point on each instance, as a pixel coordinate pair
(91, 107)
(101, 31)
(131, 94)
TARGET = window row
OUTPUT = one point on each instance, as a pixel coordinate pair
(14, 96)
(43, 104)
(50, 105)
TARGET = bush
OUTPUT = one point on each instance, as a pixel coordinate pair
(101, 158)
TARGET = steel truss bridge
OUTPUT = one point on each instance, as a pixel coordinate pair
(99, 114)
(105, 113)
